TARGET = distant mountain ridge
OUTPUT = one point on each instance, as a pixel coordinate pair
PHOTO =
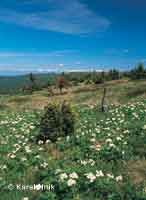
(11, 84)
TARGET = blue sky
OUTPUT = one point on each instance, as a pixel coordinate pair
(46, 35)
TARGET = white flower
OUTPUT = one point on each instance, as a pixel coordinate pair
(112, 145)
(84, 162)
(44, 165)
(63, 176)
(48, 141)
(32, 127)
(90, 176)
(71, 182)
(3, 167)
(109, 140)
(40, 149)
(119, 178)
(92, 140)
(118, 138)
(92, 162)
(37, 156)
(97, 147)
(74, 175)
(110, 176)
(58, 171)
(99, 173)
(68, 138)
(12, 156)
(23, 159)
(144, 127)
(40, 142)
(27, 149)
(25, 198)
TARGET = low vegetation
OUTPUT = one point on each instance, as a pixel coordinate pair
(77, 152)
(93, 163)
(57, 121)
(35, 82)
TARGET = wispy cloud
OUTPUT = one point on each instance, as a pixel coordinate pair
(66, 16)
(30, 68)
(59, 53)
(116, 52)
(16, 69)
(77, 63)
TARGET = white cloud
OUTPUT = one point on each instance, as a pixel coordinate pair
(28, 68)
(61, 65)
(115, 52)
(77, 62)
(59, 53)
(66, 16)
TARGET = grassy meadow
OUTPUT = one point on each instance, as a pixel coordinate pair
(105, 158)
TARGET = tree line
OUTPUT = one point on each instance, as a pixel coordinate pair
(64, 80)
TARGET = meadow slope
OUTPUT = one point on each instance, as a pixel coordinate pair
(104, 160)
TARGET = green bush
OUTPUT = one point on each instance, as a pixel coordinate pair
(138, 73)
(58, 121)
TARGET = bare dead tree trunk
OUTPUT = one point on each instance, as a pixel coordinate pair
(103, 105)
(50, 91)
(60, 88)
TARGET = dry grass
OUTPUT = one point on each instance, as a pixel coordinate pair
(117, 93)
(137, 171)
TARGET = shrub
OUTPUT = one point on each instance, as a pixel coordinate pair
(58, 121)
(138, 72)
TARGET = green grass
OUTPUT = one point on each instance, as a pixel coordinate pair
(109, 145)
(103, 145)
